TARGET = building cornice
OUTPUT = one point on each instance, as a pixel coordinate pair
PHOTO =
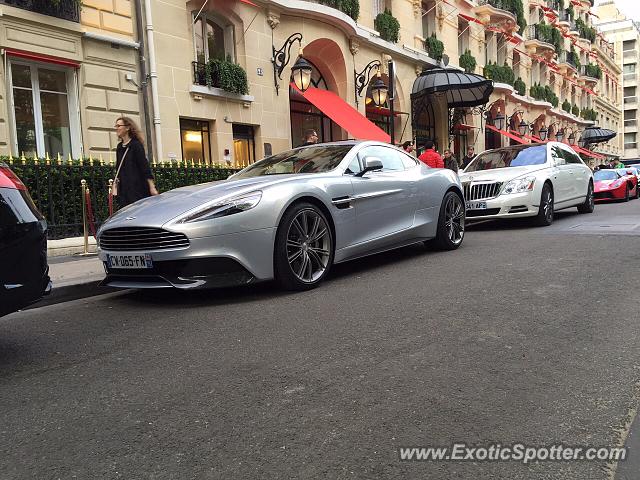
(349, 27)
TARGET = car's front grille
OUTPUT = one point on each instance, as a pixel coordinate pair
(480, 191)
(141, 238)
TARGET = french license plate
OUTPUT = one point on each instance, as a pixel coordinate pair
(129, 260)
(476, 205)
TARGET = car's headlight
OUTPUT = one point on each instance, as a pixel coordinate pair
(519, 185)
(226, 207)
(616, 184)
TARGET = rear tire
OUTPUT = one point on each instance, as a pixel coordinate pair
(589, 204)
(304, 248)
(545, 210)
(450, 232)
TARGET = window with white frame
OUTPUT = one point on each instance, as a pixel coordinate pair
(213, 38)
(44, 105)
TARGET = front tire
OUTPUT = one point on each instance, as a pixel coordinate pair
(589, 204)
(626, 194)
(545, 210)
(304, 248)
(450, 232)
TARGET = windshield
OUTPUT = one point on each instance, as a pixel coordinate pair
(623, 171)
(509, 157)
(301, 160)
(605, 175)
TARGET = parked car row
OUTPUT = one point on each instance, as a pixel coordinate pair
(293, 215)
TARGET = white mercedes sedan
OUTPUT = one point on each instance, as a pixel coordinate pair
(527, 181)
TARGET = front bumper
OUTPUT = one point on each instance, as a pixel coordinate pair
(208, 262)
(506, 206)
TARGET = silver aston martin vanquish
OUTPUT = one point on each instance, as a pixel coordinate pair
(287, 217)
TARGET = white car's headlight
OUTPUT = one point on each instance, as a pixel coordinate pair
(519, 185)
(226, 207)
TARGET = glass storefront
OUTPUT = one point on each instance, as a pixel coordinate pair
(196, 144)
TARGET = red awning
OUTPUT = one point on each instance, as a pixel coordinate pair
(506, 134)
(588, 153)
(344, 115)
(535, 139)
(469, 18)
(463, 126)
(42, 58)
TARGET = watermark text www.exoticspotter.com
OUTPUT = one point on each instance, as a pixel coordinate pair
(516, 452)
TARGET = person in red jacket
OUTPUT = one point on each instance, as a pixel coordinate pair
(430, 156)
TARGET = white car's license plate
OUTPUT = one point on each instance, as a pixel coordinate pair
(476, 205)
(129, 260)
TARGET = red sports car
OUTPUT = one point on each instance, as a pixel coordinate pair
(615, 184)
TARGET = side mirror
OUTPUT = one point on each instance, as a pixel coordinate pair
(370, 164)
(629, 172)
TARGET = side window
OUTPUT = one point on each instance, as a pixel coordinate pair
(571, 157)
(557, 155)
(408, 161)
(391, 160)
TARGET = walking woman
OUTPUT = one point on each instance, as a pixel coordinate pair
(133, 178)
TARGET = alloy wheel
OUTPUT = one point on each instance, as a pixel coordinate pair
(547, 205)
(454, 219)
(308, 245)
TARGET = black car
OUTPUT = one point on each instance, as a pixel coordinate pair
(24, 272)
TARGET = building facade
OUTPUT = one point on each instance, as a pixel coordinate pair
(625, 34)
(200, 75)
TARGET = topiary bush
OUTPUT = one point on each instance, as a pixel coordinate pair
(434, 47)
(520, 86)
(467, 61)
(388, 26)
(566, 106)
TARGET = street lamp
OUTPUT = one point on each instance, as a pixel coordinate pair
(498, 121)
(560, 134)
(301, 73)
(362, 78)
(523, 127)
(281, 59)
(542, 133)
(379, 91)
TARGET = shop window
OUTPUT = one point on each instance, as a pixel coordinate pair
(42, 121)
(213, 38)
(244, 149)
(195, 139)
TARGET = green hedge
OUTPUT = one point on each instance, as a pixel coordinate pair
(227, 75)
(589, 114)
(55, 188)
(513, 6)
(544, 94)
(388, 26)
(499, 73)
(350, 7)
(434, 47)
(520, 86)
(467, 61)
(566, 106)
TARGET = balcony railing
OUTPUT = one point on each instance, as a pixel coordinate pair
(568, 57)
(64, 9)
(536, 32)
(566, 17)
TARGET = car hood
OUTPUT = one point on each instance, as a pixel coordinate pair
(159, 209)
(599, 185)
(499, 174)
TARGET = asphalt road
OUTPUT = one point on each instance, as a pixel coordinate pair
(522, 335)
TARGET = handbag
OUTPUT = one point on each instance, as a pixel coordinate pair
(116, 180)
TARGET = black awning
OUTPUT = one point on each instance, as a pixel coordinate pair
(462, 89)
(596, 135)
